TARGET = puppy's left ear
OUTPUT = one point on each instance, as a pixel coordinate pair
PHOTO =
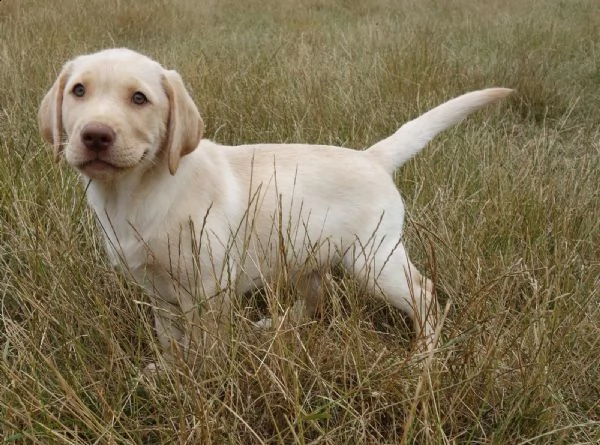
(50, 112)
(185, 126)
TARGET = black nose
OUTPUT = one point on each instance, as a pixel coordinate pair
(97, 137)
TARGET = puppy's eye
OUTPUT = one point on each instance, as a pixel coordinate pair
(79, 90)
(139, 98)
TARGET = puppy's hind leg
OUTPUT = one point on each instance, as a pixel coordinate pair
(391, 276)
(311, 291)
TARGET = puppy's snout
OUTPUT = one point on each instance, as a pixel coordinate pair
(97, 137)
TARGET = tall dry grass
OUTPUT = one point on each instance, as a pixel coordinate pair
(503, 213)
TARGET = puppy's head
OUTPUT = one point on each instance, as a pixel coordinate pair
(118, 111)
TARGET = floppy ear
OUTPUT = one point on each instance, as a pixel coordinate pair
(185, 126)
(50, 113)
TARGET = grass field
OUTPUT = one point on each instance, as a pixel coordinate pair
(504, 214)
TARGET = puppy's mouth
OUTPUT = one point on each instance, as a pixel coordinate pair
(98, 165)
(101, 167)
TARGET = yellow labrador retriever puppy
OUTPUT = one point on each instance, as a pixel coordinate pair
(195, 221)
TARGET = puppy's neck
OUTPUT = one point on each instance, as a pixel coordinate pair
(126, 212)
(124, 190)
(108, 196)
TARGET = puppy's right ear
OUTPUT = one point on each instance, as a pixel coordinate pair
(50, 113)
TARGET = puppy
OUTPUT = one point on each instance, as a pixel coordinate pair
(195, 222)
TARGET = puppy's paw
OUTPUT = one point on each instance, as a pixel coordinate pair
(151, 370)
(264, 323)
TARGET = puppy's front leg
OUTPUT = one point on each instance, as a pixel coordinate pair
(191, 325)
(208, 321)
(169, 330)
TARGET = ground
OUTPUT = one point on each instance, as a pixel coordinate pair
(503, 214)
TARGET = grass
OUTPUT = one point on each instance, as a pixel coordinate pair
(503, 213)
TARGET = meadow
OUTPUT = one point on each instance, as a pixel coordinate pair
(503, 214)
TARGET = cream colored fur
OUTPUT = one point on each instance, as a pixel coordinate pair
(195, 221)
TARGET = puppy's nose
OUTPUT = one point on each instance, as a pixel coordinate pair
(97, 137)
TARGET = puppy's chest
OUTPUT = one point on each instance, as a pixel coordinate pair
(126, 237)
(125, 247)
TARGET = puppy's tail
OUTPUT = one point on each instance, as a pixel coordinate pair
(395, 150)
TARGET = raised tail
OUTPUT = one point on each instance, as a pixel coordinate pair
(395, 150)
